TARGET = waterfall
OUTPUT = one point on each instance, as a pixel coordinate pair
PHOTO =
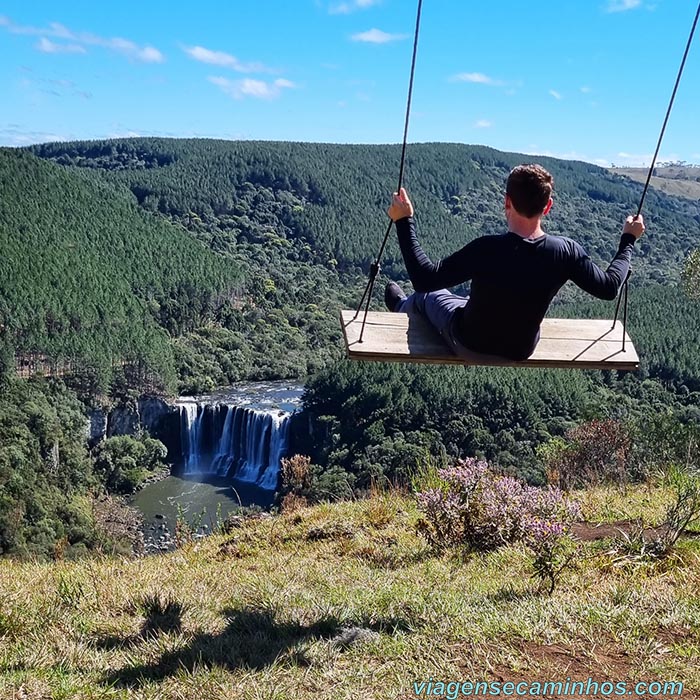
(233, 442)
(189, 436)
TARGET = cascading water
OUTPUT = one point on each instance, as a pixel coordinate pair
(234, 442)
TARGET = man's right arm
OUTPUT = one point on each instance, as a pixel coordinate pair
(606, 284)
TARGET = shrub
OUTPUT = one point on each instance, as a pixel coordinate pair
(474, 508)
(304, 482)
(296, 479)
(647, 544)
(593, 453)
(124, 462)
(685, 509)
(296, 473)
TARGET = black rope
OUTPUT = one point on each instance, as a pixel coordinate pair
(375, 266)
(653, 164)
(668, 111)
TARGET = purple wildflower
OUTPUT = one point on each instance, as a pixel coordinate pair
(480, 510)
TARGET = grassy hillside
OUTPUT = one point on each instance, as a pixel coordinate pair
(675, 180)
(346, 601)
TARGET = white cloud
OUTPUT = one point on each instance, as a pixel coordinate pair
(479, 78)
(641, 160)
(151, 55)
(345, 8)
(248, 87)
(255, 88)
(377, 36)
(46, 46)
(586, 90)
(622, 5)
(556, 95)
(124, 135)
(14, 135)
(145, 54)
(225, 60)
(483, 124)
(633, 160)
(533, 150)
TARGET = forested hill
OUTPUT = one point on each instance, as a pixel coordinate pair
(229, 260)
(339, 195)
(87, 274)
(186, 265)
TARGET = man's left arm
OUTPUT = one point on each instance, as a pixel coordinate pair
(426, 275)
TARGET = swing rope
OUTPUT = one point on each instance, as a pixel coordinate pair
(623, 297)
(375, 267)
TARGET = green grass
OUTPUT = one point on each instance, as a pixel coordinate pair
(342, 601)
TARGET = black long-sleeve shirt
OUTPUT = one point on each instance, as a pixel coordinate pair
(513, 281)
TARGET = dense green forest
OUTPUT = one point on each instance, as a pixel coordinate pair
(183, 265)
(89, 277)
(336, 197)
(50, 482)
(303, 221)
(380, 422)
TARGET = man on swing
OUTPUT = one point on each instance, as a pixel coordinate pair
(514, 276)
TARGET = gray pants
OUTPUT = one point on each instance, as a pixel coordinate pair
(439, 309)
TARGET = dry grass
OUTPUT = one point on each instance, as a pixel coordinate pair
(342, 601)
(679, 182)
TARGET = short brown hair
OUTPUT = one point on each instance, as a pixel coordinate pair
(529, 188)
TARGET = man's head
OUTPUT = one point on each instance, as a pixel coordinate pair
(529, 190)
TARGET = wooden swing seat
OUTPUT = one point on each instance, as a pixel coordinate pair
(564, 343)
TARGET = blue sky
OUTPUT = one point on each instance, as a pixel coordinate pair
(583, 79)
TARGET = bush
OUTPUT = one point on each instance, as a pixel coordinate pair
(685, 509)
(295, 482)
(304, 483)
(473, 508)
(647, 544)
(123, 462)
(593, 453)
